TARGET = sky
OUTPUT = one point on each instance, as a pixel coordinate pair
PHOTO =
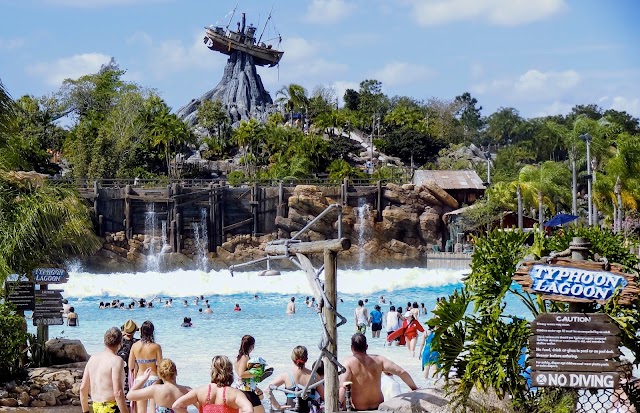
(541, 57)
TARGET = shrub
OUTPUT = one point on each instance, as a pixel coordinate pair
(14, 338)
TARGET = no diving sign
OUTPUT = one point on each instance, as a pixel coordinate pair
(580, 380)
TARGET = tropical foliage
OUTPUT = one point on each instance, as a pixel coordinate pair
(481, 341)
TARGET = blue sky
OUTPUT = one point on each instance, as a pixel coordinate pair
(540, 56)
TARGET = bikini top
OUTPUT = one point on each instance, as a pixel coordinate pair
(145, 361)
(217, 408)
(162, 409)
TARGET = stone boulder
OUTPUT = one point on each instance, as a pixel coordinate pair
(63, 351)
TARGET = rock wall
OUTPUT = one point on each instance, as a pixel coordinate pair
(45, 386)
(240, 91)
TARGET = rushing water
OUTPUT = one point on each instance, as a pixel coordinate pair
(362, 214)
(201, 240)
(219, 333)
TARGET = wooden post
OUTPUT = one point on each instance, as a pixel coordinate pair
(280, 208)
(100, 225)
(179, 229)
(331, 384)
(172, 236)
(345, 188)
(211, 228)
(379, 202)
(96, 194)
(222, 220)
(254, 208)
(42, 331)
(176, 189)
(127, 211)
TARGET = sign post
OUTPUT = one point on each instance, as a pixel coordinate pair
(48, 303)
(575, 349)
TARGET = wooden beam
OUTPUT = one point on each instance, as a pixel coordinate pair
(333, 245)
(238, 224)
(331, 384)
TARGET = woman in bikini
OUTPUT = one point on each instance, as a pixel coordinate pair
(164, 394)
(295, 379)
(217, 397)
(247, 382)
(145, 354)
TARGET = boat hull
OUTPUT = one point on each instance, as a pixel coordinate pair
(262, 56)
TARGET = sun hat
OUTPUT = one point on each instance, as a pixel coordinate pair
(129, 327)
(407, 314)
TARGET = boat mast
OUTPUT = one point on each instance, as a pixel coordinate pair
(265, 24)
(233, 13)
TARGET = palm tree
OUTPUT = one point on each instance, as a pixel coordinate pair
(292, 97)
(543, 184)
(7, 114)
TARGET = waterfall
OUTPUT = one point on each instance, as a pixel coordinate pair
(155, 243)
(201, 240)
(362, 213)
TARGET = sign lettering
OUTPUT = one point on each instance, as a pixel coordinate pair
(21, 294)
(50, 275)
(575, 282)
(580, 380)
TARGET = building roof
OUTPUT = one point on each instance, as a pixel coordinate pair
(467, 179)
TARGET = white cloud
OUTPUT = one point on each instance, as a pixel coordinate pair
(535, 81)
(477, 70)
(11, 44)
(328, 11)
(86, 4)
(630, 105)
(401, 73)
(498, 12)
(555, 108)
(55, 72)
(342, 85)
(174, 56)
(533, 85)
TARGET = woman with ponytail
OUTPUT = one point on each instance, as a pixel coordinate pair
(296, 379)
(247, 382)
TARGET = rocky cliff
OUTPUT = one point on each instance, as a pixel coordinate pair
(240, 90)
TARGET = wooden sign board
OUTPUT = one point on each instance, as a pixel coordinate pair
(573, 365)
(50, 275)
(48, 304)
(575, 379)
(575, 323)
(21, 294)
(562, 279)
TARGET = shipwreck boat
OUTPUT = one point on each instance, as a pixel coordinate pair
(244, 40)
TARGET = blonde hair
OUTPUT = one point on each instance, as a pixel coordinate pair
(221, 371)
(167, 369)
(299, 356)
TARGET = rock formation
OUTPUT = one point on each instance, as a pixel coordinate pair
(240, 91)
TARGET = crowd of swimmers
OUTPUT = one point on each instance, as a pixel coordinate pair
(133, 371)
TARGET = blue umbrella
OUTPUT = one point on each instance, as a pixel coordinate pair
(560, 219)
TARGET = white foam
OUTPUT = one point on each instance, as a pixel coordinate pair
(192, 282)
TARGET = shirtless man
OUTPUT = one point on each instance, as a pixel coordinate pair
(291, 307)
(104, 378)
(364, 372)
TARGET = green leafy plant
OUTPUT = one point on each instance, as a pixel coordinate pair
(13, 331)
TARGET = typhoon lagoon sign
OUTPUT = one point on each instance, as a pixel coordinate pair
(576, 281)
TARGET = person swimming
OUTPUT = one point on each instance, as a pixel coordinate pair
(237, 307)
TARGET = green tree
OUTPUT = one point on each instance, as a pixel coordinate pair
(351, 99)
(547, 184)
(469, 115)
(340, 169)
(215, 120)
(503, 125)
(293, 97)
(410, 145)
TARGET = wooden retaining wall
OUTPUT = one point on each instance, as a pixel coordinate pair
(225, 210)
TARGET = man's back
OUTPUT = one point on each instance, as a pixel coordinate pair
(104, 369)
(364, 371)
